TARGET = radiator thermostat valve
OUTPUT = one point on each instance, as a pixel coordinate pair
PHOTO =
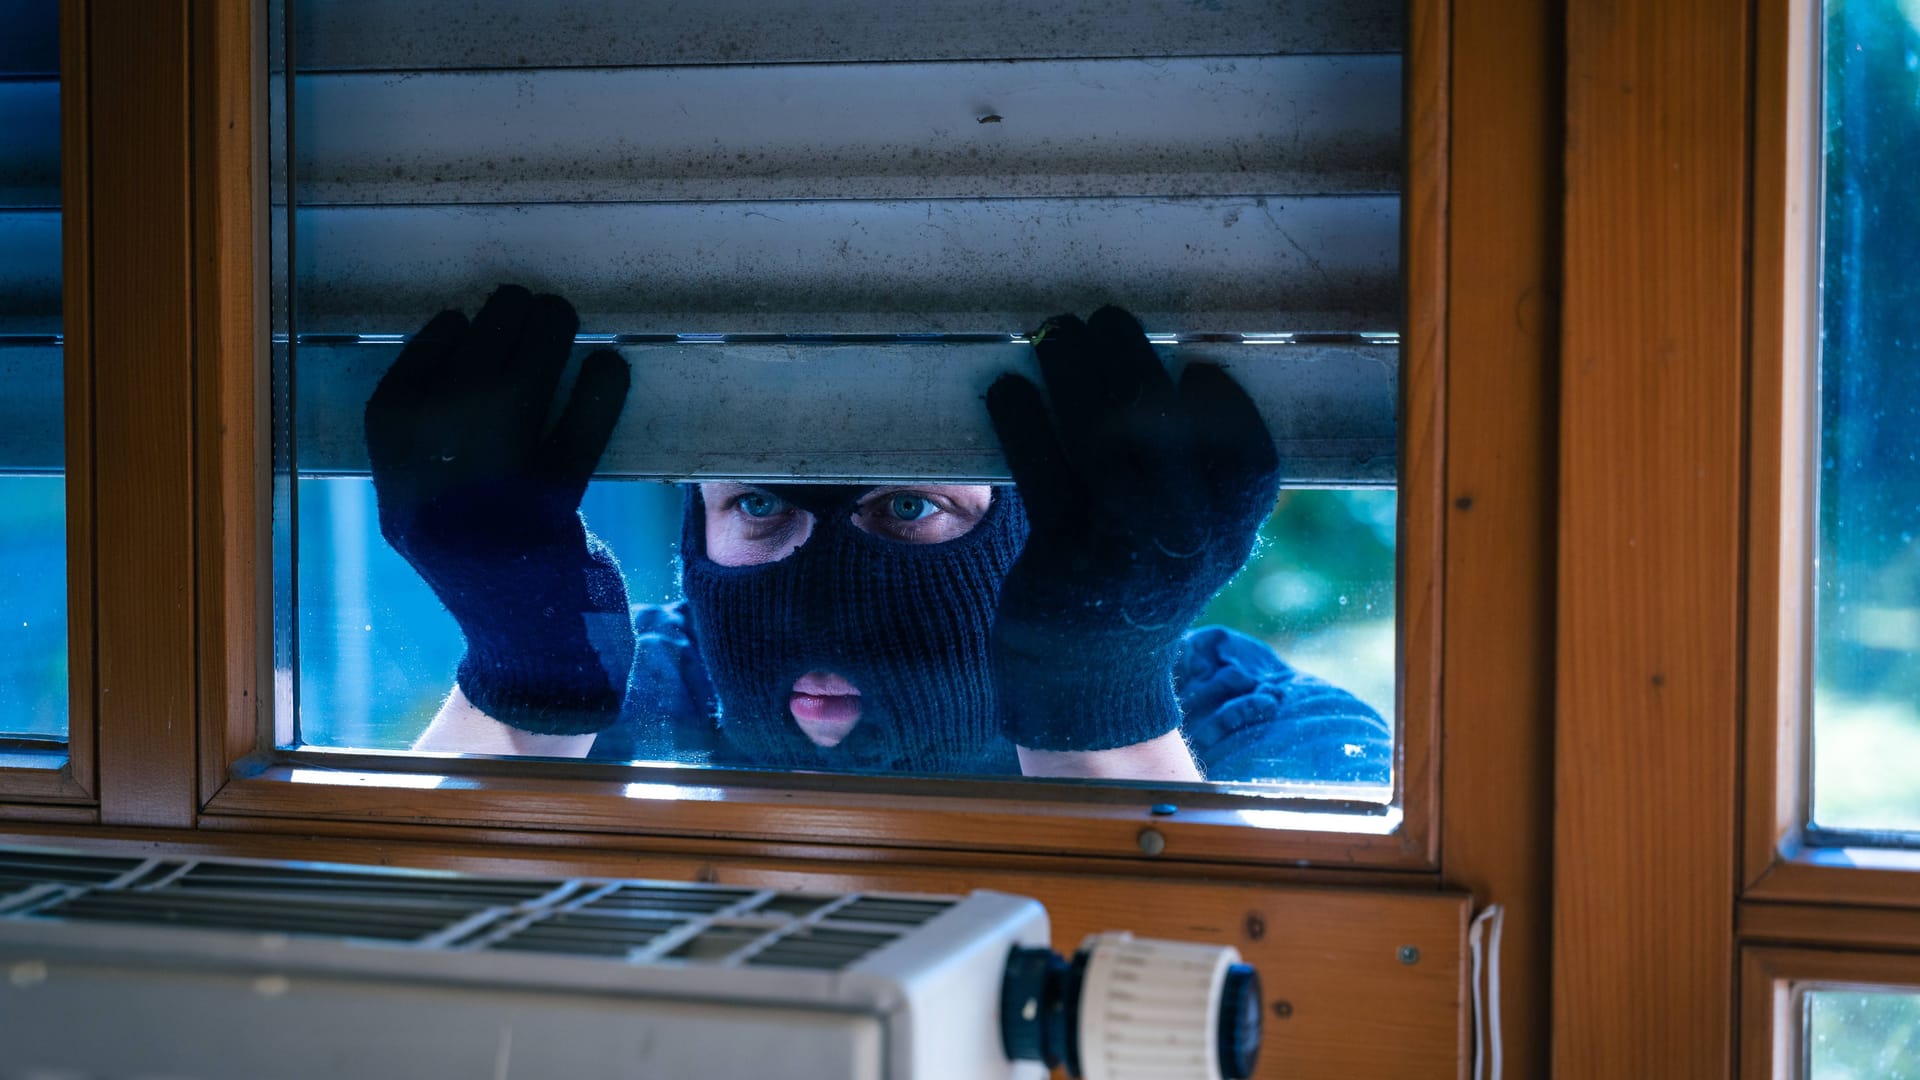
(1136, 1008)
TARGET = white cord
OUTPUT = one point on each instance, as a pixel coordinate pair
(1486, 1009)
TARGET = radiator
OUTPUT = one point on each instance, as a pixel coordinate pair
(212, 969)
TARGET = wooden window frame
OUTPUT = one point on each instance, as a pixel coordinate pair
(1684, 889)
(1773, 982)
(1807, 915)
(241, 780)
(1778, 863)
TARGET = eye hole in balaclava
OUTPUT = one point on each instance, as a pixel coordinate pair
(909, 624)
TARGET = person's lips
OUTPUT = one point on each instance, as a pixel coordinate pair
(825, 706)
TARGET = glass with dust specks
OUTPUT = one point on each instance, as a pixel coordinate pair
(1866, 739)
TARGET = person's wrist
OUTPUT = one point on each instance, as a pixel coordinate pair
(1166, 757)
(1081, 691)
(555, 659)
(559, 696)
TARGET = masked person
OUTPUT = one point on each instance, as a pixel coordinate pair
(1039, 629)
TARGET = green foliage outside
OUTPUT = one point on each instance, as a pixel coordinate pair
(1863, 1036)
(1320, 589)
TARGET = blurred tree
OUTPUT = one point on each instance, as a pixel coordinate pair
(1324, 559)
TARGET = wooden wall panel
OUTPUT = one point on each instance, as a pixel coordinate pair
(1353, 1009)
(1650, 512)
(1502, 343)
(142, 344)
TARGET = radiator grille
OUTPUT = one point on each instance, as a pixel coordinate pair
(21, 869)
(288, 914)
(580, 933)
(896, 911)
(621, 921)
(820, 947)
(682, 899)
(463, 893)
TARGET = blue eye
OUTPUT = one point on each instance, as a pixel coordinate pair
(906, 506)
(758, 504)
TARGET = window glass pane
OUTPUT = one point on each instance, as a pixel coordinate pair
(1867, 694)
(378, 648)
(1862, 1035)
(796, 269)
(33, 535)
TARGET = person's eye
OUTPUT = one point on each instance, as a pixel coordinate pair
(758, 504)
(907, 506)
(913, 517)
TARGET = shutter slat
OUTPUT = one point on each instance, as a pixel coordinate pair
(32, 422)
(1223, 126)
(29, 145)
(1230, 265)
(709, 411)
(30, 272)
(30, 44)
(439, 34)
(731, 410)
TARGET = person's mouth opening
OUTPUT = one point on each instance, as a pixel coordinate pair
(826, 706)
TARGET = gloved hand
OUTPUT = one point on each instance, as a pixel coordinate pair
(483, 500)
(1143, 498)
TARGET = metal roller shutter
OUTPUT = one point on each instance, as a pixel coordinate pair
(797, 217)
(815, 210)
(31, 420)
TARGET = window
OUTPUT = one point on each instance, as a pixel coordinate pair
(1828, 655)
(1826, 911)
(33, 535)
(1829, 1014)
(816, 251)
(1867, 690)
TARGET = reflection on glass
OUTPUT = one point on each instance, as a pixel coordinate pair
(787, 277)
(33, 535)
(1862, 1035)
(1867, 693)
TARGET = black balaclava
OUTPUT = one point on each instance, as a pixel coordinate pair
(908, 624)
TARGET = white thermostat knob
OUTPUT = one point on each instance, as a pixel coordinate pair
(1165, 1010)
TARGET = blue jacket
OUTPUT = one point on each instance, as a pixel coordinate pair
(1248, 715)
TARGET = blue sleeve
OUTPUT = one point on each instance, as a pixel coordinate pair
(669, 710)
(1250, 716)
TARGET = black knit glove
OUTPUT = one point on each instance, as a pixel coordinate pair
(483, 500)
(1144, 499)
